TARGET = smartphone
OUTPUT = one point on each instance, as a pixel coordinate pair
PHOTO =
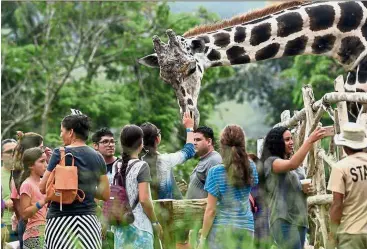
(330, 131)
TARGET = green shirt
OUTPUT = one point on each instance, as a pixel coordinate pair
(286, 198)
(5, 176)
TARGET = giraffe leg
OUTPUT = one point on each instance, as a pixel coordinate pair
(361, 80)
(357, 82)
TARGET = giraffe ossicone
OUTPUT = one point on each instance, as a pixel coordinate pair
(334, 29)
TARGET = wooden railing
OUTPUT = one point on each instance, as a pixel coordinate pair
(180, 216)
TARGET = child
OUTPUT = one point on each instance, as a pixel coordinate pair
(32, 202)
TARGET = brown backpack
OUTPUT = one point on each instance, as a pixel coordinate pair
(62, 185)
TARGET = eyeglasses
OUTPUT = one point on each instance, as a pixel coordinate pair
(9, 152)
(108, 142)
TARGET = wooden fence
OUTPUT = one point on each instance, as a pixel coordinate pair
(178, 216)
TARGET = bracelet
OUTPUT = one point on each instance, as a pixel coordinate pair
(189, 129)
(155, 223)
(38, 205)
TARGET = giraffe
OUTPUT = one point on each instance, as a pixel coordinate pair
(334, 29)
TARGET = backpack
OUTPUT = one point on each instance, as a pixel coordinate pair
(117, 210)
(62, 185)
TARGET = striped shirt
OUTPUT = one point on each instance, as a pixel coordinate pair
(233, 206)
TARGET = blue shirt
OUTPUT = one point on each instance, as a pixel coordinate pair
(233, 206)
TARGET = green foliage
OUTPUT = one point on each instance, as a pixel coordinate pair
(317, 71)
(84, 55)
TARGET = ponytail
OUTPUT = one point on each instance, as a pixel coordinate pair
(151, 158)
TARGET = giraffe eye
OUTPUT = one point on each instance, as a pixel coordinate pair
(192, 70)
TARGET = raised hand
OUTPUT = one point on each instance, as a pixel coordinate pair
(317, 134)
(187, 120)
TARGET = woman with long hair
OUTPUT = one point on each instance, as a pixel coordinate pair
(163, 184)
(140, 234)
(77, 225)
(32, 201)
(228, 219)
(286, 197)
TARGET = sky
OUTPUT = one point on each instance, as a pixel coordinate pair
(223, 9)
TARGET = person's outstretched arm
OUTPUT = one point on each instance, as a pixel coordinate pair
(282, 165)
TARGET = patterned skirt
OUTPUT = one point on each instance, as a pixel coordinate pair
(73, 232)
(130, 237)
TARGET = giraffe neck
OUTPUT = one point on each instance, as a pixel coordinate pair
(335, 29)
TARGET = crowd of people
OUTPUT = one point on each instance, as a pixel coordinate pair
(251, 202)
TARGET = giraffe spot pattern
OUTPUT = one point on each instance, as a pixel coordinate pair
(362, 72)
(289, 23)
(214, 55)
(234, 52)
(260, 33)
(197, 46)
(201, 70)
(323, 44)
(364, 3)
(267, 52)
(351, 16)
(351, 47)
(351, 78)
(216, 64)
(183, 91)
(243, 59)
(257, 20)
(364, 29)
(206, 49)
(240, 34)
(321, 17)
(221, 39)
(189, 102)
(296, 46)
(205, 38)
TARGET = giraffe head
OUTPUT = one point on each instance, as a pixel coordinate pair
(181, 65)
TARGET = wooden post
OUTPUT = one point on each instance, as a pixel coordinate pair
(308, 100)
(315, 163)
(341, 107)
(177, 217)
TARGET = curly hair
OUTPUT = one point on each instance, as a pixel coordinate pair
(235, 158)
(274, 143)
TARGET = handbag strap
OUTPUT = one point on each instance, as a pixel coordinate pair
(63, 157)
(127, 172)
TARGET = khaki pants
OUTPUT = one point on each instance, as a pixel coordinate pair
(351, 241)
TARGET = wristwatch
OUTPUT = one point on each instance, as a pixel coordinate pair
(155, 223)
(189, 129)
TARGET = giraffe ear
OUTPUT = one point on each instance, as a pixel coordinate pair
(149, 60)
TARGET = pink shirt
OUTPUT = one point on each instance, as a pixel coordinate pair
(30, 188)
(14, 193)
